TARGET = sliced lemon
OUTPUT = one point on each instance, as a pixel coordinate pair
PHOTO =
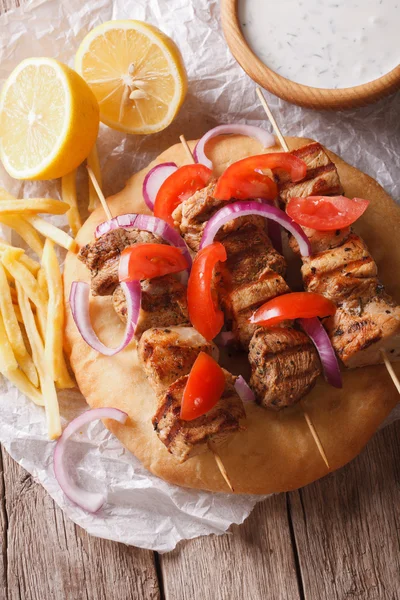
(49, 120)
(136, 73)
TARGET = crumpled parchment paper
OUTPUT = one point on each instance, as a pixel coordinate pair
(141, 509)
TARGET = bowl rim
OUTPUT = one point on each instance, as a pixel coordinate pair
(291, 91)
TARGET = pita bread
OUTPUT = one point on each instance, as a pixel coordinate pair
(276, 452)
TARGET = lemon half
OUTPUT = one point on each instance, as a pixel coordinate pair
(136, 73)
(49, 120)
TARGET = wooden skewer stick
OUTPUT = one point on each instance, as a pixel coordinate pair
(188, 150)
(211, 446)
(390, 370)
(220, 465)
(286, 148)
(271, 119)
(99, 193)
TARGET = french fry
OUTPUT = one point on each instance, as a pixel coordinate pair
(41, 314)
(17, 311)
(48, 230)
(68, 192)
(13, 330)
(10, 259)
(9, 369)
(32, 206)
(55, 318)
(8, 362)
(46, 382)
(94, 163)
(26, 260)
(25, 231)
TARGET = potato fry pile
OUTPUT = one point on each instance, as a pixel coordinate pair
(32, 305)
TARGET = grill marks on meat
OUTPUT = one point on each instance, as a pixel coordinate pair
(252, 274)
(185, 439)
(342, 269)
(168, 354)
(164, 303)
(284, 364)
(102, 256)
(192, 215)
(358, 336)
(322, 178)
(343, 274)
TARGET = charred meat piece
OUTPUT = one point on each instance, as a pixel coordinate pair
(345, 274)
(185, 439)
(102, 256)
(164, 303)
(192, 215)
(284, 365)
(168, 354)
(322, 178)
(341, 268)
(359, 336)
(241, 303)
(322, 240)
(251, 275)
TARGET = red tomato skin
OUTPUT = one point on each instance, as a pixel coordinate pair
(203, 314)
(243, 179)
(178, 187)
(146, 261)
(326, 213)
(295, 305)
(204, 388)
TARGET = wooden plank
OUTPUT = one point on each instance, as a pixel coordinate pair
(3, 533)
(347, 526)
(50, 558)
(253, 563)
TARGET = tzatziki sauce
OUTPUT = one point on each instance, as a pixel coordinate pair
(324, 43)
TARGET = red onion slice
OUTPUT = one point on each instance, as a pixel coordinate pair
(89, 501)
(224, 338)
(242, 209)
(154, 180)
(79, 301)
(315, 330)
(147, 223)
(243, 390)
(265, 138)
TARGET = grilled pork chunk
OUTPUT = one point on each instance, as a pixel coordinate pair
(168, 354)
(322, 178)
(192, 215)
(342, 269)
(185, 439)
(102, 256)
(284, 364)
(164, 303)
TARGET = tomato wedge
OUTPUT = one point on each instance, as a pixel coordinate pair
(326, 213)
(245, 179)
(146, 261)
(293, 306)
(204, 313)
(178, 187)
(204, 387)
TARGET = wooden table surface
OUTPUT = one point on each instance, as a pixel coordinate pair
(336, 539)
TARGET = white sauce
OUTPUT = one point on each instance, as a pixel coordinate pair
(324, 43)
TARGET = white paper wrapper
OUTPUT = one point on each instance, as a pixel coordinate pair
(141, 509)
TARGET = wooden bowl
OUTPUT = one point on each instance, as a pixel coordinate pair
(303, 95)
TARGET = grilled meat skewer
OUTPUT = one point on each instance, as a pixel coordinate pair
(341, 268)
(284, 362)
(167, 352)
